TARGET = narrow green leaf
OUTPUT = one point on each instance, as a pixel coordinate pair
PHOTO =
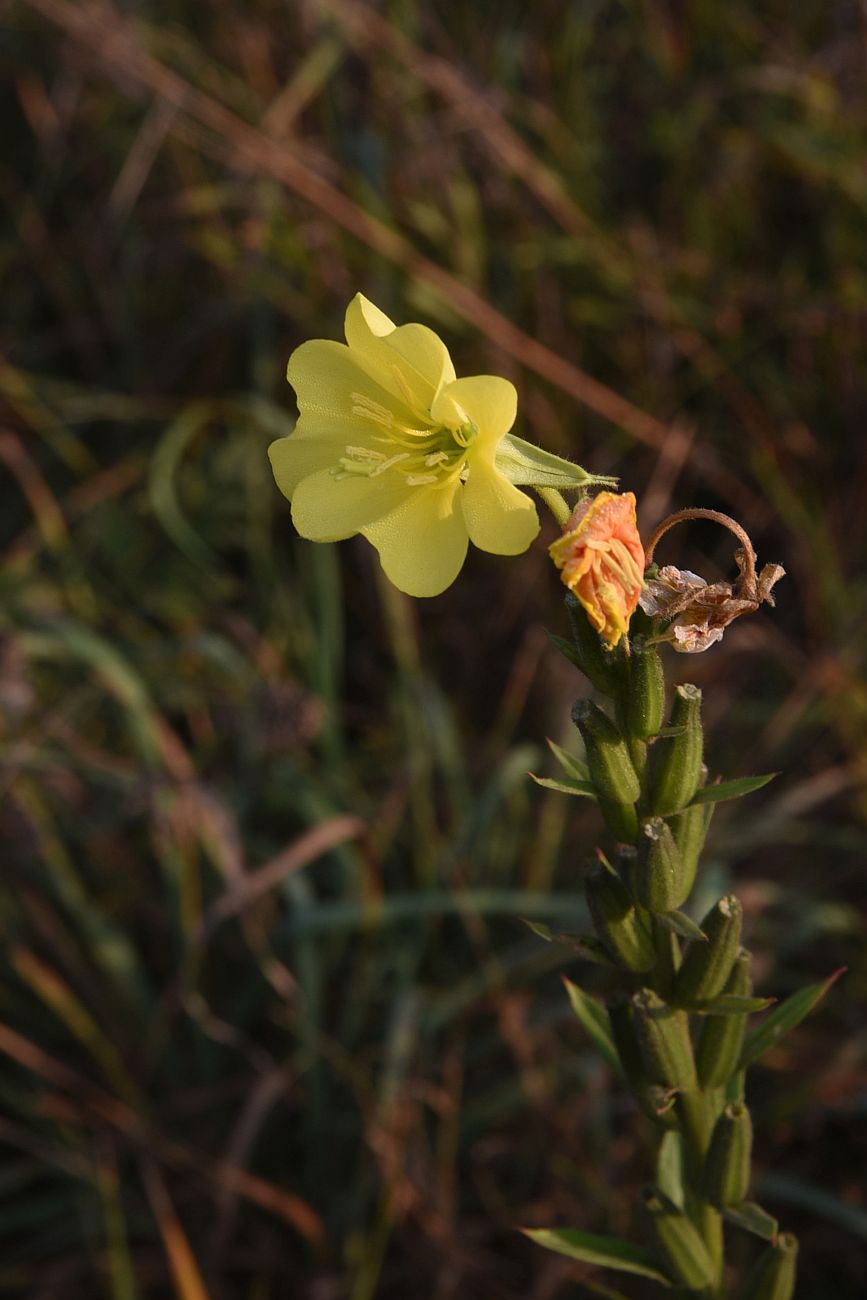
(733, 1004)
(571, 765)
(582, 788)
(566, 649)
(607, 1252)
(680, 923)
(731, 789)
(783, 1019)
(752, 1218)
(594, 1018)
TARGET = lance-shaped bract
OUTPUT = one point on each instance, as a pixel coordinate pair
(610, 767)
(677, 758)
(676, 1241)
(726, 1174)
(663, 1036)
(773, 1277)
(721, 1038)
(617, 922)
(707, 966)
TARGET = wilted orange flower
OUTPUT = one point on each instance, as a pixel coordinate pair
(601, 560)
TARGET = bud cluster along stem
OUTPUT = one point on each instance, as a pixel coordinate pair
(678, 1014)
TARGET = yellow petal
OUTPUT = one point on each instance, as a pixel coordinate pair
(295, 457)
(410, 360)
(499, 518)
(422, 544)
(490, 402)
(327, 509)
(327, 376)
(364, 318)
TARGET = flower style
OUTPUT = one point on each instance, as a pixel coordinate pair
(601, 560)
(390, 444)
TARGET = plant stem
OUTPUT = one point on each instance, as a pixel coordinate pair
(556, 503)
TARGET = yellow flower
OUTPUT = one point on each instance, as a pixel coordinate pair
(390, 444)
(601, 560)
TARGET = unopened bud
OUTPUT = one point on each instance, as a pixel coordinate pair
(655, 1101)
(676, 1241)
(600, 665)
(663, 1036)
(617, 923)
(689, 829)
(610, 768)
(707, 966)
(726, 1173)
(773, 1277)
(658, 877)
(677, 758)
(645, 696)
(722, 1037)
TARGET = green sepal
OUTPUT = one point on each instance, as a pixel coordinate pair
(676, 773)
(707, 966)
(773, 1277)
(605, 1252)
(526, 465)
(721, 1037)
(725, 1178)
(645, 692)
(663, 1038)
(617, 923)
(676, 1241)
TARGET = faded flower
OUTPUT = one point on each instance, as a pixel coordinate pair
(698, 613)
(601, 560)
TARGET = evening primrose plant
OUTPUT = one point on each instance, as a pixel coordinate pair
(390, 444)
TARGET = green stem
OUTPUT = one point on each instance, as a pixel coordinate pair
(556, 503)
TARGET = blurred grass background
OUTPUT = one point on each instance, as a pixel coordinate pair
(270, 1025)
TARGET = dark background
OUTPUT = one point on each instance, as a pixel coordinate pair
(355, 1074)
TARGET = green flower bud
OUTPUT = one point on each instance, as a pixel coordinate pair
(658, 877)
(645, 696)
(722, 1037)
(677, 758)
(610, 767)
(663, 1036)
(617, 923)
(689, 829)
(600, 665)
(656, 1102)
(676, 1241)
(707, 966)
(726, 1174)
(773, 1277)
